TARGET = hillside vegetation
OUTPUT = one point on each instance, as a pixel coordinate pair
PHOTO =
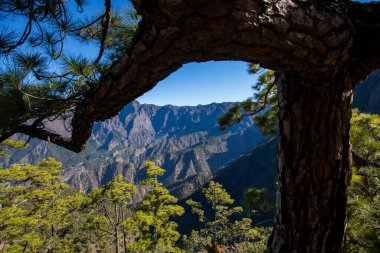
(40, 213)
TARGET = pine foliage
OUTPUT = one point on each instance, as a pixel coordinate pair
(363, 234)
(220, 230)
(262, 106)
(152, 223)
(39, 79)
(36, 208)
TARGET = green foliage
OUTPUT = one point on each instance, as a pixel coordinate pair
(153, 228)
(36, 210)
(363, 234)
(115, 191)
(123, 27)
(23, 98)
(43, 81)
(219, 227)
(40, 213)
(109, 210)
(365, 135)
(7, 144)
(256, 201)
(254, 68)
(263, 105)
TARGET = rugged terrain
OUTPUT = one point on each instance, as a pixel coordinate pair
(186, 141)
(367, 95)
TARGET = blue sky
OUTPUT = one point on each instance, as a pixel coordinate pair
(203, 83)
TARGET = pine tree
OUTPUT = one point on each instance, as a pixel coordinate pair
(363, 203)
(109, 205)
(363, 234)
(37, 210)
(263, 106)
(154, 230)
(7, 144)
(41, 81)
(220, 232)
(256, 201)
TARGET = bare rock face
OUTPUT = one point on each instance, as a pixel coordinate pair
(185, 140)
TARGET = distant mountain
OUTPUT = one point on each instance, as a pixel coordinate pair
(367, 95)
(185, 140)
(257, 168)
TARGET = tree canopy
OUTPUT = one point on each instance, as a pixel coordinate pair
(40, 81)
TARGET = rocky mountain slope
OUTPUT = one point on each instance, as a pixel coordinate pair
(186, 141)
(257, 168)
(367, 95)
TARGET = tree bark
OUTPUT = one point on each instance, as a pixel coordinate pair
(117, 244)
(213, 248)
(125, 240)
(314, 163)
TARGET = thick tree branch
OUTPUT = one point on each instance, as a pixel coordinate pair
(37, 132)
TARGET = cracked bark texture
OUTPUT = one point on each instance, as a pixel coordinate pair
(321, 52)
(314, 162)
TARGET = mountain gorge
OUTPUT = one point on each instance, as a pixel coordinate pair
(186, 141)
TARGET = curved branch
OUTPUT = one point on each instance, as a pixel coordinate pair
(87, 25)
(42, 134)
(106, 26)
(263, 104)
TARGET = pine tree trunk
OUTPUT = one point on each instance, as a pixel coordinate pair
(125, 240)
(117, 248)
(213, 248)
(314, 163)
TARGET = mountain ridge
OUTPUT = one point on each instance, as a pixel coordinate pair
(185, 140)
